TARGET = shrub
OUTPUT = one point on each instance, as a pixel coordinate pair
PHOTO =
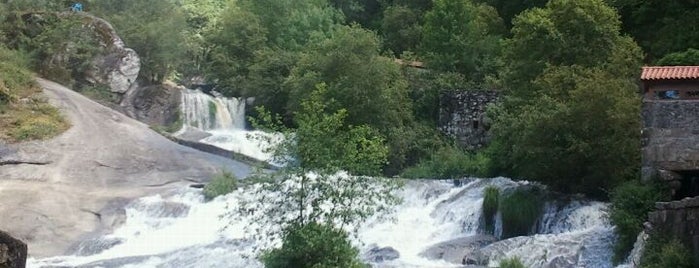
(520, 210)
(221, 184)
(513, 262)
(450, 163)
(37, 121)
(631, 203)
(491, 198)
(313, 245)
(661, 252)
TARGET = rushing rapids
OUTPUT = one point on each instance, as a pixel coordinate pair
(181, 230)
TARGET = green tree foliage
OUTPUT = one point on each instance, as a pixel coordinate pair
(220, 184)
(686, 58)
(491, 201)
(313, 245)
(259, 42)
(631, 203)
(565, 33)
(400, 29)
(152, 28)
(202, 18)
(508, 9)
(61, 48)
(369, 86)
(450, 162)
(570, 114)
(663, 251)
(579, 135)
(520, 211)
(462, 37)
(234, 47)
(309, 197)
(660, 27)
(363, 12)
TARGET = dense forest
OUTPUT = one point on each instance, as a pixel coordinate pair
(567, 70)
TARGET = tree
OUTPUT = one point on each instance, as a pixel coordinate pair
(685, 58)
(508, 9)
(234, 46)
(579, 134)
(462, 37)
(400, 29)
(369, 86)
(565, 33)
(318, 193)
(660, 27)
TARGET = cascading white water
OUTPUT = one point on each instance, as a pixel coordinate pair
(224, 121)
(207, 112)
(182, 230)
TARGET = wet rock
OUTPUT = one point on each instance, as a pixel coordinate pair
(460, 250)
(13, 252)
(157, 105)
(377, 254)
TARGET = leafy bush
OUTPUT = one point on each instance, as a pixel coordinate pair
(688, 57)
(661, 252)
(313, 245)
(221, 184)
(631, 203)
(491, 197)
(449, 163)
(511, 263)
(520, 210)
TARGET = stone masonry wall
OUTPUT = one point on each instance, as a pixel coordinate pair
(462, 117)
(679, 219)
(670, 136)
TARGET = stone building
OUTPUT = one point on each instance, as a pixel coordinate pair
(670, 135)
(462, 116)
(670, 148)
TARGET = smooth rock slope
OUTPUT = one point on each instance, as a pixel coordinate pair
(54, 192)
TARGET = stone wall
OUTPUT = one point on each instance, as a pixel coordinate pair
(680, 219)
(462, 116)
(670, 136)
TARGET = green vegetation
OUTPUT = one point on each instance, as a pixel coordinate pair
(511, 263)
(320, 200)
(685, 58)
(450, 163)
(325, 72)
(491, 201)
(631, 203)
(570, 118)
(313, 245)
(462, 37)
(220, 184)
(662, 251)
(24, 114)
(520, 210)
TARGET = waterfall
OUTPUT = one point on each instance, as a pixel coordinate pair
(207, 112)
(220, 121)
(181, 230)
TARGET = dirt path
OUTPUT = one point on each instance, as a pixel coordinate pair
(50, 190)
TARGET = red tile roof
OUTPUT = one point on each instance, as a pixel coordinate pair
(670, 72)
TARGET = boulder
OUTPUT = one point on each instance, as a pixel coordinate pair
(156, 105)
(460, 250)
(377, 254)
(13, 252)
(118, 67)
